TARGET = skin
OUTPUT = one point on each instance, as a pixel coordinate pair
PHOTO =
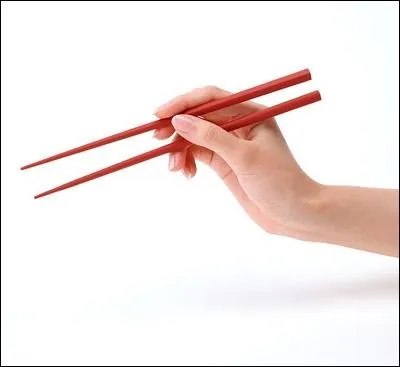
(257, 166)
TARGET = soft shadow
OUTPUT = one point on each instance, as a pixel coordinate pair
(262, 296)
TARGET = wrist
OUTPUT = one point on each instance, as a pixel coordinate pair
(312, 212)
(356, 217)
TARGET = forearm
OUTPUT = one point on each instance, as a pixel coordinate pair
(362, 218)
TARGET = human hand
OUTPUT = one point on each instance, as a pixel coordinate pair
(254, 162)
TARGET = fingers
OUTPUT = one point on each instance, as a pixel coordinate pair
(177, 161)
(208, 135)
(194, 98)
(199, 96)
(189, 169)
(164, 133)
(183, 102)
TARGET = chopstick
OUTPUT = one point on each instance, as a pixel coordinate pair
(181, 143)
(260, 90)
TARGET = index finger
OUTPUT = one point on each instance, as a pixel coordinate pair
(200, 96)
(194, 98)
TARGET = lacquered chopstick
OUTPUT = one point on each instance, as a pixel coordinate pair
(249, 119)
(214, 105)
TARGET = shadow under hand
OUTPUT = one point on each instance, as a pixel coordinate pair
(263, 296)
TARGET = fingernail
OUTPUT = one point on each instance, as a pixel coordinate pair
(171, 164)
(165, 105)
(184, 124)
(187, 174)
(155, 133)
(157, 110)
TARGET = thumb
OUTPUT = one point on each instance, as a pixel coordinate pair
(208, 135)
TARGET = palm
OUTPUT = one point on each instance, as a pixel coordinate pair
(244, 186)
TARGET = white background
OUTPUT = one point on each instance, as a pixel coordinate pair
(146, 267)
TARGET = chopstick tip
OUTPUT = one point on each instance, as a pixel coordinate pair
(38, 196)
(28, 166)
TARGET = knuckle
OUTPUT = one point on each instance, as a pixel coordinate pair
(206, 91)
(196, 90)
(211, 89)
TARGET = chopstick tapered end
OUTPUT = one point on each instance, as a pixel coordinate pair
(29, 166)
(38, 196)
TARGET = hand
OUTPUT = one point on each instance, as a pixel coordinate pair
(254, 162)
(257, 166)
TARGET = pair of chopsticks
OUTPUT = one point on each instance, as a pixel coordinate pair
(252, 118)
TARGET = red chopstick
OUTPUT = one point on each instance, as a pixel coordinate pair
(240, 122)
(260, 90)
